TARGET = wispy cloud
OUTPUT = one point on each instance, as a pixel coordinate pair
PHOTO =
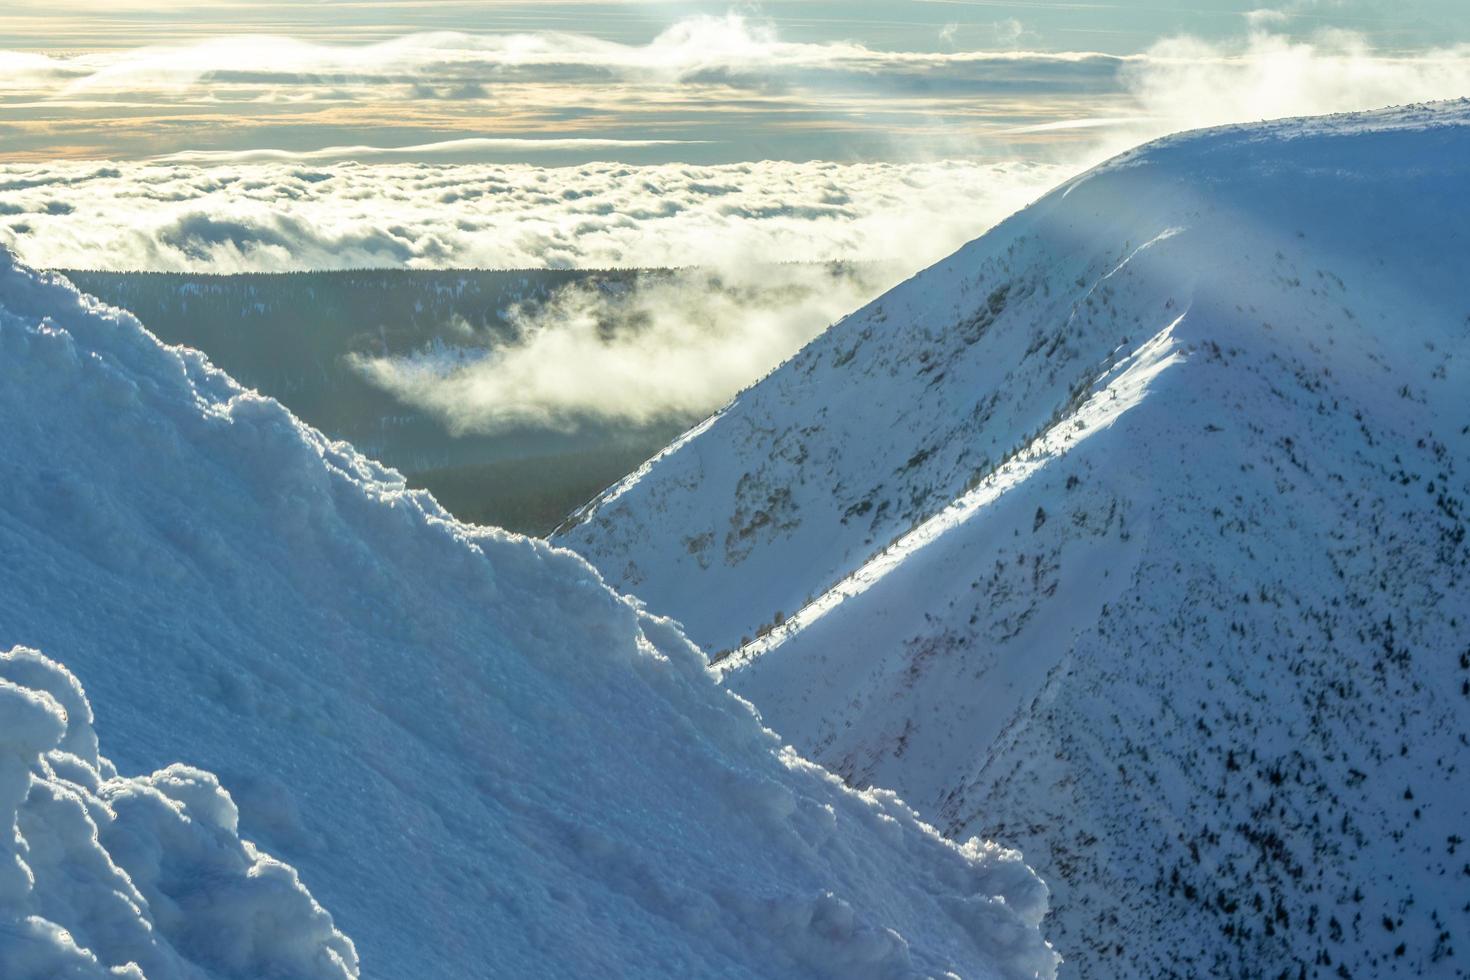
(675, 347)
(671, 349)
(719, 87)
(718, 79)
(729, 48)
(470, 147)
(1187, 82)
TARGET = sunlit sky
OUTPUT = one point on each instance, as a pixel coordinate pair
(267, 135)
(653, 82)
(1114, 26)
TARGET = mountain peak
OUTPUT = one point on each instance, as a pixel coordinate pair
(1134, 529)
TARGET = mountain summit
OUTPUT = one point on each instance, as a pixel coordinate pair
(1133, 532)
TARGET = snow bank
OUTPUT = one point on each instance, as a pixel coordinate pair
(480, 759)
(109, 876)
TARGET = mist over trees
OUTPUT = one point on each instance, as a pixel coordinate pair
(303, 337)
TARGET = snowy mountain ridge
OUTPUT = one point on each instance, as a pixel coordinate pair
(1133, 532)
(477, 757)
(800, 466)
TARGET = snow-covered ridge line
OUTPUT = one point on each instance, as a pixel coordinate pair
(1206, 661)
(1122, 387)
(480, 758)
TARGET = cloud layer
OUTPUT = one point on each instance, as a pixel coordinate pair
(671, 349)
(277, 217)
(707, 88)
(729, 83)
(271, 206)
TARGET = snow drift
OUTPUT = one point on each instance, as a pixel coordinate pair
(1134, 532)
(478, 757)
(145, 875)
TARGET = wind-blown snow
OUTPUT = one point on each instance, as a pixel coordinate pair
(476, 756)
(1134, 531)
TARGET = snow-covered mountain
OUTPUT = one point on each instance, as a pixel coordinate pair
(473, 753)
(1133, 532)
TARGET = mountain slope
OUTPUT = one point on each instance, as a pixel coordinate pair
(480, 759)
(1183, 610)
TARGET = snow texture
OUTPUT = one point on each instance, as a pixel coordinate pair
(109, 876)
(477, 756)
(1135, 533)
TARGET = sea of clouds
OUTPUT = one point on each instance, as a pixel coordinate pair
(264, 209)
(751, 242)
(695, 339)
(275, 217)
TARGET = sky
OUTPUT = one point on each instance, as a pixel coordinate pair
(258, 135)
(1116, 26)
(637, 82)
(231, 136)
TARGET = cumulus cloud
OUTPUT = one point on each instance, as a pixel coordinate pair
(311, 208)
(672, 348)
